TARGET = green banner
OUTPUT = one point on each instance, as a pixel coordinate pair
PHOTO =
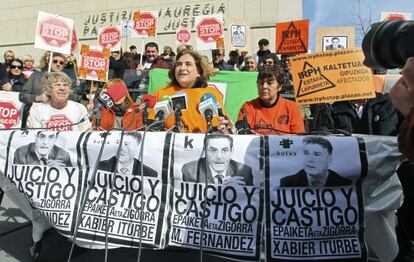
(241, 87)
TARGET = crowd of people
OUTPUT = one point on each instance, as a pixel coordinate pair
(54, 89)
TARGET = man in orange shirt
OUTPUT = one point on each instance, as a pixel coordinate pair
(270, 113)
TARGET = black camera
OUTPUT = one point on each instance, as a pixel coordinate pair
(388, 44)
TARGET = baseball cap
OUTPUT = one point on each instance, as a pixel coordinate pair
(263, 41)
(117, 91)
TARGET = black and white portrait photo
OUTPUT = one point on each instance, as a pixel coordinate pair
(334, 43)
(238, 35)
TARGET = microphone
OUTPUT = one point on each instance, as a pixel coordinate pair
(147, 101)
(243, 125)
(163, 108)
(179, 102)
(208, 106)
(103, 100)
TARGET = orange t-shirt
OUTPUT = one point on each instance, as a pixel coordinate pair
(192, 120)
(284, 116)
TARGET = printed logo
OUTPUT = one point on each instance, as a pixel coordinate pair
(312, 80)
(286, 143)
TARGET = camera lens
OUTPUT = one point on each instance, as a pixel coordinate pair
(388, 44)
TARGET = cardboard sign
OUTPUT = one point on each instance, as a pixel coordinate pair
(292, 37)
(238, 35)
(54, 33)
(331, 76)
(110, 37)
(209, 31)
(145, 24)
(94, 64)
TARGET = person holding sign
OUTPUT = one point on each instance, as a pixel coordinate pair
(317, 153)
(221, 168)
(189, 75)
(270, 113)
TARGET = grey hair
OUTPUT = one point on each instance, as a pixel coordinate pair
(50, 78)
(250, 57)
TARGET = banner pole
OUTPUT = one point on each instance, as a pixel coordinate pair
(142, 52)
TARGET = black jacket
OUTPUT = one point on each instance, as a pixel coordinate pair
(379, 117)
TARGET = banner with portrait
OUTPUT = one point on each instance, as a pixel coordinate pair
(315, 200)
(45, 167)
(216, 199)
(125, 193)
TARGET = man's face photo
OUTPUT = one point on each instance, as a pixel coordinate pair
(316, 160)
(218, 153)
(335, 43)
(129, 149)
(45, 142)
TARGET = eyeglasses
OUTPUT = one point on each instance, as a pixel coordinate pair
(57, 61)
(16, 66)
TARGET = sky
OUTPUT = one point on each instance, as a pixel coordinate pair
(343, 13)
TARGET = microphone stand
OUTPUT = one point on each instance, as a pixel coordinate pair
(178, 119)
(98, 119)
(160, 117)
(145, 114)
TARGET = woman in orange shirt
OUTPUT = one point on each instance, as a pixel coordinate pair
(189, 75)
(269, 113)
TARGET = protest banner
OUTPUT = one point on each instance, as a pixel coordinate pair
(209, 32)
(132, 200)
(292, 37)
(184, 200)
(45, 170)
(144, 24)
(331, 76)
(110, 37)
(54, 33)
(238, 34)
(94, 63)
(316, 203)
(10, 109)
(218, 208)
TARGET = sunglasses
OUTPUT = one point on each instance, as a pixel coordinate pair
(16, 66)
(58, 62)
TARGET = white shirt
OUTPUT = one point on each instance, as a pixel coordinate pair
(44, 115)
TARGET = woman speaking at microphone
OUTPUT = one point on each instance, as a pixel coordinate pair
(189, 75)
(124, 113)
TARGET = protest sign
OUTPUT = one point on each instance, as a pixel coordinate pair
(145, 24)
(183, 36)
(315, 199)
(239, 35)
(10, 109)
(218, 207)
(331, 76)
(94, 63)
(292, 37)
(110, 37)
(54, 33)
(209, 32)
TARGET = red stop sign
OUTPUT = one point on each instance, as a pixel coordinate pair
(59, 122)
(183, 36)
(209, 30)
(109, 37)
(9, 114)
(147, 21)
(395, 17)
(54, 31)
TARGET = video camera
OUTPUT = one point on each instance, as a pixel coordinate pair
(388, 44)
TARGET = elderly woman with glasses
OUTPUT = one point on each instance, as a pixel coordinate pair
(14, 80)
(58, 113)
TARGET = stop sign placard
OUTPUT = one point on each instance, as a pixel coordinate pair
(59, 122)
(145, 24)
(110, 37)
(209, 30)
(54, 31)
(9, 114)
(183, 36)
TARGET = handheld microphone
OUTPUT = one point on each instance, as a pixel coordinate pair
(243, 125)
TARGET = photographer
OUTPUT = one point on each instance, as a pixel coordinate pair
(402, 96)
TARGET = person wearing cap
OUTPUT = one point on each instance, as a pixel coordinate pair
(125, 112)
(263, 51)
